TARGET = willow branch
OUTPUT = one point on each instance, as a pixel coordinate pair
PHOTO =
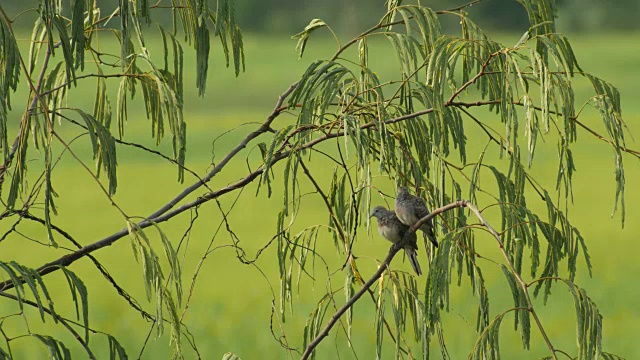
(385, 264)
(523, 284)
(392, 252)
(169, 210)
(14, 147)
(59, 318)
(160, 217)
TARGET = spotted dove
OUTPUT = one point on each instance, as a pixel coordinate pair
(393, 230)
(410, 209)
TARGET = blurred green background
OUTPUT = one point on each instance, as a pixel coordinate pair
(231, 304)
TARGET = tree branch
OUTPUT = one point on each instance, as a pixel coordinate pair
(161, 216)
(164, 213)
(266, 126)
(385, 264)
(523, 284)
(396, 247)
(461, 7)
(312, 345)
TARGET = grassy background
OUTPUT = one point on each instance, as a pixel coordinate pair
(231, 304)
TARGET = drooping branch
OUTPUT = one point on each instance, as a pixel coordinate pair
(523, 284)
(396, 247)
(32, 105)
(164, 215)
(385, 264)
(155, 217)
(63, 321)
(168, 211)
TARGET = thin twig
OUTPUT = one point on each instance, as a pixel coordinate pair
(461, 7)
(122, 292)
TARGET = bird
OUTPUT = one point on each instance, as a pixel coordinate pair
(393, 230)
(410, 209)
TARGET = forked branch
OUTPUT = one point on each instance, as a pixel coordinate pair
(385, 264)
(396, 247)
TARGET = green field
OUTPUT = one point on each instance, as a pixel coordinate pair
(231, 305)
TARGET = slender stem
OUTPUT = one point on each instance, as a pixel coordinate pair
(462, 7)
(472, 80)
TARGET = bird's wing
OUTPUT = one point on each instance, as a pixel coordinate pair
(419, 207)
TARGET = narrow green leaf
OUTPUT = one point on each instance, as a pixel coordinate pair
(57, 349)
(303, 36)
(116, 350)
(80, 297)
(77, 32)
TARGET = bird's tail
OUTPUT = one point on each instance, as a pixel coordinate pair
(432, 237)
(430, 234)
(413, 259)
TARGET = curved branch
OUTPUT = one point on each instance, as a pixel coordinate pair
(392, 252)
(385, 264)
(168, 211)
(266, 126)
(162, 216)
(523, 284)
(57, 317)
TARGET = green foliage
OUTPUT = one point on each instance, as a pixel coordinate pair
(57, 349)
(230, 356)
(409, 127)
(115, 349)
(64, 45)
(303, 36)
(589, 324)
(80, 298)
(415, 129)
(154, 279)
(20, 276)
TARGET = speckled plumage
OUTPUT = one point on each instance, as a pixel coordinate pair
(390, 228)
(410, 209)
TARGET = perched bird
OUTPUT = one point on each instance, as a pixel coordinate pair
(393, 230)
(410, 209)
